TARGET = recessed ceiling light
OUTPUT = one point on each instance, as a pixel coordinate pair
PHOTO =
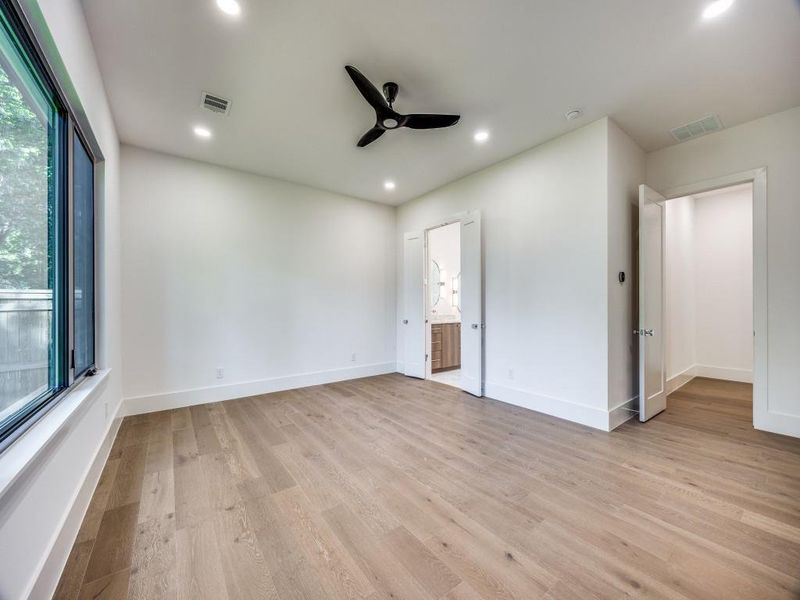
(481, 136)
(202, 132)
(573, 114)
(389, 185)
(229, 7)
(715, 9)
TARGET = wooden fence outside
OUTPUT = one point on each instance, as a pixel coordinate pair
(25, 332)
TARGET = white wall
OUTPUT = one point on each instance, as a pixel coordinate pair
(278, 284)
(679, 289)
(709, 286)
(444, 247)
(626, 171)
(770, 142)
(724, 284)
(544, 215)
(40, 515)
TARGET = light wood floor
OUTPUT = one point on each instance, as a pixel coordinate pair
(390, 487)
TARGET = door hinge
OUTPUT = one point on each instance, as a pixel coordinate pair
(426, 358)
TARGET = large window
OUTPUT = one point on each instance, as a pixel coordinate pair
(46, 299)
(83, 256)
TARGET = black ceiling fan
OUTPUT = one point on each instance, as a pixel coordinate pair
(386, 117)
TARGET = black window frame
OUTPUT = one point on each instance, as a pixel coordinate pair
(64, 378)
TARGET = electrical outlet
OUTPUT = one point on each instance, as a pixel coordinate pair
(220, 372)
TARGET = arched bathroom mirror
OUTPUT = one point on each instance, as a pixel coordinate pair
(434, 283)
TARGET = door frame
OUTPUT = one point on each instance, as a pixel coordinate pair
(458, 217)
(758, 178)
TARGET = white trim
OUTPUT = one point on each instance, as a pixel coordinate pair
(676, 382)
(179, 399)
(458, 217)
(681, 379)
(52, 565)
(556, 407)
(726, 373)
(762, 417)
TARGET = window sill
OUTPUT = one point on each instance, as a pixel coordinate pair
(24, 452)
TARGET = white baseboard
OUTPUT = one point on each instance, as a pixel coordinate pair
(728, 374)
(49, 574)
(678, 381)
(563, 409)
(725, 373)
(623, 412)
(179, 399)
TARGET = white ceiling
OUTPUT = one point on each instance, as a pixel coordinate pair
(511, 66)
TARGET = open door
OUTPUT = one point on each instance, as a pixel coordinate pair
(471, 305)
(652, 375)
(413, 306)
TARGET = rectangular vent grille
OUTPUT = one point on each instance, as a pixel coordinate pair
(697, 128)
(216, 103)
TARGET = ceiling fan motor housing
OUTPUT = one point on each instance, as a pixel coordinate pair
(390, 89)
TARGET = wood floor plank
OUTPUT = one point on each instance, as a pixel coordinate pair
(153, 564)
(423, 565)
(157, 499)
(70, 585)
(326, 553)
(99, 502)
(198, 565)
(247, 575)
(389, 488)
(113, 546)
(110, 587)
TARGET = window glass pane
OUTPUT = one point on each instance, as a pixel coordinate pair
(29, 315)
(83, 253)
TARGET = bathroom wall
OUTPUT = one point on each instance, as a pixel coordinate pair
(444, 247)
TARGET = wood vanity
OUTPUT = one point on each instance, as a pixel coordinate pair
(445, 346)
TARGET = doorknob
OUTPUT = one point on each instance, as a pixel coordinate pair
(405, 321)
(646, 332)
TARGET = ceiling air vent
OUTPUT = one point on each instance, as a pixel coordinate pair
(697, 128)
(216, 103)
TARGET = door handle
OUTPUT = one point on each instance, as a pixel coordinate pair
(477, 325)
(645, 332)
(405, 321)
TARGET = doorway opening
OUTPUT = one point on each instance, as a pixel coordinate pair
(464, 276)
(442, 306)
(708, 291)
(702, 290)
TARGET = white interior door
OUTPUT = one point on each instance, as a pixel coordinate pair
(652, 375)
(413, 305)
(471, 298)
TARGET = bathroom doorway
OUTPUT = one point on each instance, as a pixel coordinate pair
(443, 307)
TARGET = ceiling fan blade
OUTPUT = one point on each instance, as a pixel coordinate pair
(369, 91)
(429, 121)
(369, 137)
